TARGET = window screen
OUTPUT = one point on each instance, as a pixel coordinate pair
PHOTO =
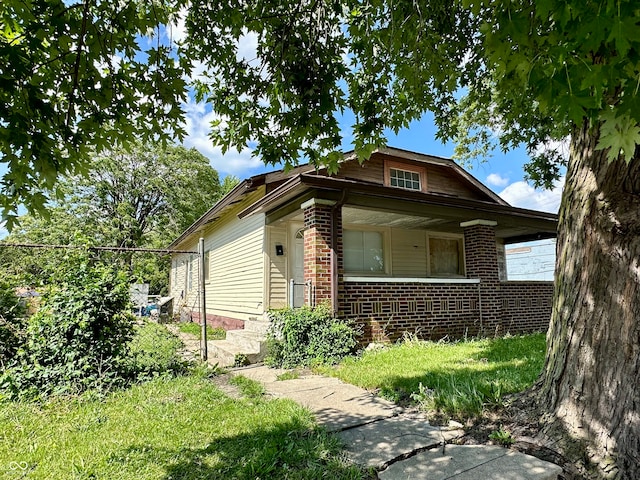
(445, 256)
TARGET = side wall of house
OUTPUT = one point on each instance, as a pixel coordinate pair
(236, 277)
(235, 289)
(277, 266)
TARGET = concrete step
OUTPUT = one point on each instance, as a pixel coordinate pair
(248, 340)
(224, 353)
(260, 326)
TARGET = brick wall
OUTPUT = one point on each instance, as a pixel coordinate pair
(481, 261)
(317, 249)
(525, 306)
(385, 311)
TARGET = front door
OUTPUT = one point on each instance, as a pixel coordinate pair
(297, 267)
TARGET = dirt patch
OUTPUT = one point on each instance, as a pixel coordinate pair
(223, 382)
(519, 418)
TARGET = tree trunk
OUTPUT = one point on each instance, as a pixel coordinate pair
(591, 381)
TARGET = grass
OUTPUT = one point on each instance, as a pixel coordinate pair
(213, 333)
(175, 423)
(168, 428)
(288, 375)
(456, 379)
(154, 349)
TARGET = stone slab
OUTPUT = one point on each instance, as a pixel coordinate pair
(471, 462)
(335, 404)
(379, 443)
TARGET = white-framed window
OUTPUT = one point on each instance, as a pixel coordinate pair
(419, 253)
(363, 251)
(207, 265)
(404, 179)
(405, 176)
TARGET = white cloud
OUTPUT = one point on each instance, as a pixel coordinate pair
(521, 194)
(198, 126)
(497, 180)
(3, 231)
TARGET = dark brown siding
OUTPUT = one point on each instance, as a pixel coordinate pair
(440, 178)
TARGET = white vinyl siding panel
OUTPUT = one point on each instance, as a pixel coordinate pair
(179, 281)
(409, 253)
(277, 267)
(236, 279)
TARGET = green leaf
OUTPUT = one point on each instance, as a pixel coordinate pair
(619, 134)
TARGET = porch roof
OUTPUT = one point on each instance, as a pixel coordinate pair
(514, 224)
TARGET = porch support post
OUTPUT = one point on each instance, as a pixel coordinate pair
(481, 261)
(317, 249)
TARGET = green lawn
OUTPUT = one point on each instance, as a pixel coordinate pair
(194, 329)
(168, 428)
(459, 379)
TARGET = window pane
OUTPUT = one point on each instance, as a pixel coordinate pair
(404, 179)
(352, 240)
(444, 256)
(373, 258)
(363, 251)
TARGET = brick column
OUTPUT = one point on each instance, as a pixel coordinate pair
(317, 248)
(481, 262)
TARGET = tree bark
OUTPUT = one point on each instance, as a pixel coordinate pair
(590, 387)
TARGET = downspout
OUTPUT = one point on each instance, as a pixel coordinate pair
(334, 253)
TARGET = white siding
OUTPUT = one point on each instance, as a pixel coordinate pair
(409, 253)
(236, 285)
(277, 267)
(179, 283)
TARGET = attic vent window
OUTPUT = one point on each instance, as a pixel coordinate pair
(408, 177)
(404, 179)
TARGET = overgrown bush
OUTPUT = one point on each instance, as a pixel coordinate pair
(78, 340)
(12, 323)
(154, 351)
(308, 336)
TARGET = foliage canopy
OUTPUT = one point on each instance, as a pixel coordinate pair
(83, 76)
(142, 197)
(80, 76)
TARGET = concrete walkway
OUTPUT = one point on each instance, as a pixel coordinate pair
(397, 444)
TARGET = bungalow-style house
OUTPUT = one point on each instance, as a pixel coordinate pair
(404, 242)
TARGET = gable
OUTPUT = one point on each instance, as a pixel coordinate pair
(437, 175)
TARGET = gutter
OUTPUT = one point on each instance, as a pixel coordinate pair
(334, 251)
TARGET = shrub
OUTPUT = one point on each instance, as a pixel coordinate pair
(78, 340)
(12, 323)
(308, 336)
(154, 351)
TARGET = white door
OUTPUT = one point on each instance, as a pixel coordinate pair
(297, 267)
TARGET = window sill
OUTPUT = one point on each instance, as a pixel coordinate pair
(353, 279)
